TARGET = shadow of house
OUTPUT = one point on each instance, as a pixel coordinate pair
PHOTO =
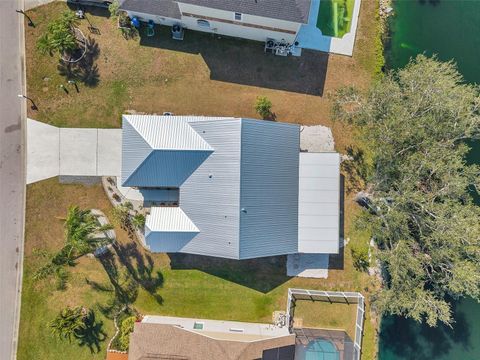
(261, 274)
(244, 62)
(84, 70)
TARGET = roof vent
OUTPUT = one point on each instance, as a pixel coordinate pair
(244, 210)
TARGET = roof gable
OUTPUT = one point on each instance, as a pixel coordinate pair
(160, 151)
(167, 133)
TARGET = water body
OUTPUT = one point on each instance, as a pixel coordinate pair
(451, 30)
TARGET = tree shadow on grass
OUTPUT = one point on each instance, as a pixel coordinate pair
(122, 284)
(85, 70)
(92, 335)
(125, 284)
(262, 274)
(140, 266)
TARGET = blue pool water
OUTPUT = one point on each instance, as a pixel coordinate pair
(318, 349)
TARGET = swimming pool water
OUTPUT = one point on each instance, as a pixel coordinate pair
(318, 349)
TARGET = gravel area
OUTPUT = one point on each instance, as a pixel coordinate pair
(316, 139)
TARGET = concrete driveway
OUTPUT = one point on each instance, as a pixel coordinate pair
(53, 151)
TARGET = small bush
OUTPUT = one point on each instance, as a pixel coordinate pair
(113, 8)
(263, 107)
(138, 221)
(360, 257)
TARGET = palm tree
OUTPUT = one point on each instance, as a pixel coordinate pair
(138, 221)
(83, 232)
(60, 35)
(69, 322)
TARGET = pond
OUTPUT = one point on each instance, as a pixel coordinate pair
(450, 29)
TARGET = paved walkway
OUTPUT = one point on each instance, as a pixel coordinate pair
(310, 37)
(53, 151)
(12, 174)
(308, 265)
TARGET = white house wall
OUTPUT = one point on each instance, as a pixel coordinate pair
(162, 20)
(234, 30)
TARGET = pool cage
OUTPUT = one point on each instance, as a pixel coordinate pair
(349, 350)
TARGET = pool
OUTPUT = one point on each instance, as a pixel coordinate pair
(335, 17)
(317, 349)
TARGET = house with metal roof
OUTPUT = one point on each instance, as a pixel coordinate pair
(279, 20)
(242, 187)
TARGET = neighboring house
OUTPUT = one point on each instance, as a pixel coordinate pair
(250, 19)
(161, 337)
(240, 188)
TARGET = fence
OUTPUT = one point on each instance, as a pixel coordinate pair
(332, 297)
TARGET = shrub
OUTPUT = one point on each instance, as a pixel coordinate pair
(113, 8)
(126, 328)
(263, 107)
(138, 221)
(60, 36)
(360, 256)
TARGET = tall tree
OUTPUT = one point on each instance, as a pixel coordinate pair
(83, 232)
(416, 123)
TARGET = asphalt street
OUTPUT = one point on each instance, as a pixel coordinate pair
(12, 173)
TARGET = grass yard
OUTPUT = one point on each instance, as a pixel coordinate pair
(202, 75)
(340, 316)
(183, 285)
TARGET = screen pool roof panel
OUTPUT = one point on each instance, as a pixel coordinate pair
(319, 203)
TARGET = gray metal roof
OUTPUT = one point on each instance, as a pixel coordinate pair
(242, 197)
(167, 8)
(269, 188)
(252, 194)
(160, 151)
(289, 10)
(319, 203)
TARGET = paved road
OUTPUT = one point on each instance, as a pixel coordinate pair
(12, 175)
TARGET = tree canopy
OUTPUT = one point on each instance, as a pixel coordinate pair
(416, 123)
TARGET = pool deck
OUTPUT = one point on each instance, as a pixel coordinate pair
(310, 37)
